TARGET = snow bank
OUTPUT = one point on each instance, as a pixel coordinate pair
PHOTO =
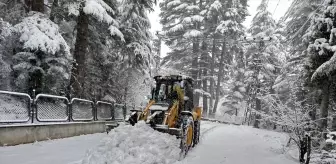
(135, 144)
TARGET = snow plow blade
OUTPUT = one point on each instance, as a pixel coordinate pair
(172, 131)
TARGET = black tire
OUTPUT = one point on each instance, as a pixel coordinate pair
(133, 119)
(187, 122)
(197, 132)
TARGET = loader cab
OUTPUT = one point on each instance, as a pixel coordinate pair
(164, 88)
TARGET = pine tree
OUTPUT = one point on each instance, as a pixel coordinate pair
(41, 56)
(83, 10)
(319, 69)
(184, 33)
(12, 11)
(6, 44)
(264, 57)
(230, 26)
(297, 21)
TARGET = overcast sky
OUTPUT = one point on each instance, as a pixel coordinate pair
(276, 7)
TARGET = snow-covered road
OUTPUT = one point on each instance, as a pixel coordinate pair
(61, 151)
(220, 144)
(229, 144)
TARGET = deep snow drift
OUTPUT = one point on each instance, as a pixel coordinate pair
(128, 144)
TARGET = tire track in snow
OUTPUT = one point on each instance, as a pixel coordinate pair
(208, 131)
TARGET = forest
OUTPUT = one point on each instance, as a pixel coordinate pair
(274, 74)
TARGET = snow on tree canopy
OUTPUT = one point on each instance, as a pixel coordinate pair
(37, 32)
(181, 7)
(73, 8)
(98, 9)
(216, 5)
(322, 47)
(173, 3)
(192, 7)
(197, 18)
(6, 29)
(331, 137)
(326, 68)
(228, 26)
(176, 28)
(115, 31)
(192, 33)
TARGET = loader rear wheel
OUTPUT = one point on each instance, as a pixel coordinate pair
(197, 130)
(187, 137)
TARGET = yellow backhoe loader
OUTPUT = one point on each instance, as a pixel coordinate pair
(170, 109)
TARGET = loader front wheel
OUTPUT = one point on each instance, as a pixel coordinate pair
(187, 137)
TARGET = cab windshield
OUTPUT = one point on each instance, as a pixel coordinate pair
(162, 91)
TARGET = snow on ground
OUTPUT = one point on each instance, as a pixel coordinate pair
(230, 144)
(68, 150)
(128, 144)
(220, 144)
(60, 151)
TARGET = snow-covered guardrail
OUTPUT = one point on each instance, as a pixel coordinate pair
(18, 107)
(331, 137)
(22, 108)
(15, 107)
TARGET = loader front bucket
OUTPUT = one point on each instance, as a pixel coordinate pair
(172, 131)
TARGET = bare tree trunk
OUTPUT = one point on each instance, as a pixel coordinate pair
(308, 149)
(194, 71)
(333, 124)
(220, 75)
(205, 80)
(212, 74)
(212, 65)
(324, 105)
(54, 10)
(38, 5)
(78, 70)
(34, 5)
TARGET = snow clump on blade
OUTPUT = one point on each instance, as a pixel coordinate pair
(128, 144)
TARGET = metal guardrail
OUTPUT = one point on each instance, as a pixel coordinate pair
(15, 107)
(21, 108)
(82, 110)
(119, 112)
(104, 110)
(18, 107)
(50, 108)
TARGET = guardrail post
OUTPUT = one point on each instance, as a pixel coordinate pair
(68, 96)
(124, 111)
(70, 110)
(94, 111)
(33, 107)
(113, 111)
